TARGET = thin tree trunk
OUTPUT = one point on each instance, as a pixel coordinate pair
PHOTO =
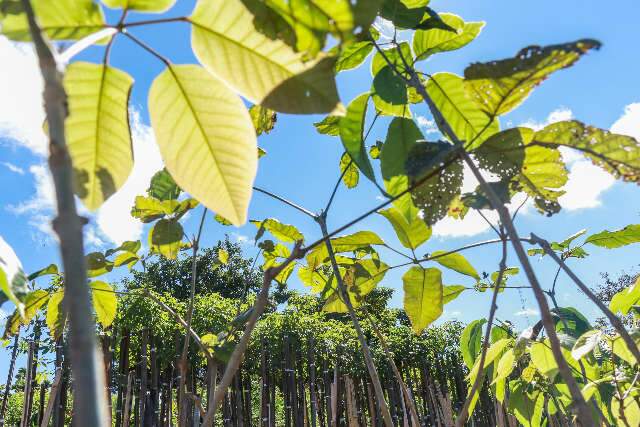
(28, 384)
(123, 376)
(89, 403)
(126, 413)
(7, 386)
(53, 398)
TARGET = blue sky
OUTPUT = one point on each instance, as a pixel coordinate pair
(602, 89)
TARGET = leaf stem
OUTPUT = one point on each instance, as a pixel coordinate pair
(285, 201)
(153, 22)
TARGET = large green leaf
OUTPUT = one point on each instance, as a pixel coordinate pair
(470, 341)
(616, 239)
(105, 302)
(59, 19)
(456, 262)
(527, 406)
(353, 55)
(347, 243)
(624, 300)
(206, 138)
(352, 134)
(410, 233)
(422, 296)
(617, 154)
(435, 40)
(360, 277)
(97, 130)
(56, 316)
(265, 71)
(505, 366)
(50, 269)
(389, 91)
(439, 184)
(539, 171)
(402, 136)
(148, 6)
(32, 303)
(165, 238)
(451, 292)
(13, 281)
(463, 115)
(500, 86)
(404, 13)
(97, 264)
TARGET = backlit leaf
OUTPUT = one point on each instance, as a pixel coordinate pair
(97, 264)
(500, 86)
(389, 91)
(422, 296)
(56, 316)
(105, 302)
(32, 303)
(284, 232)
(616, 239)
(352, 134)
(470, 341)
(97, 130)
(467, 121)
(59, 19)
(451, 292)
(265, 71)
(206, 138)
(330, 125)
(223, 256)
(149, 6)
(263, 119)
(626, 298)
(435, 40)
(353, 55)
(50, 269)
(165, 238)
(410, 233)
(349, 170)
(455, 262)
(163, 187)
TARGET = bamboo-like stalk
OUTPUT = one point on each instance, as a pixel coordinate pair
(89, 403)
(7, 386)
(53, 395)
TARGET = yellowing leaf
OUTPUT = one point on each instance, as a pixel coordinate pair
(626, 298)
(59, 19)
(165, 238)
(469, 123)
(451, 292)
(97, 130)
(105, 302)
(155, 6)
(349, 170)
(284, 232)
(410, 233)
(223, 256)
(32, 303)
(500, 86)
(265, 71)
(263, 119)
(456, 262)
(422, 296)
(505, 365)
(206, 139)
(434, 40)
(56, 316)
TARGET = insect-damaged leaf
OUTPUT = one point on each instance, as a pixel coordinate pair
(436, 172)
(163, 187)
(165, 238)
(97, 130)
(206, 139)
(500, 86)
(263, 119)
(422, 296)
(265, 71)
(349, 171)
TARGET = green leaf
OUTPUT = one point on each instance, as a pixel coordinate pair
(148, 6)
(59, 19)
(620, 349)
(223, 256)
(410, 233)
(451, 292)
(586, 343)
(404, 13)
(538, 171)
(437, 191)
(471, 341)
(352, 134)
(542, 358)
(126, 258)
(402, 136)
(389, 91)
(263, 119)
(616, 239)
(500, 86)
(422, 296)
(165, 238)
(265, 71)
(456, 262)
(360, 278)
(353, 55)
(347, 243)
(349, 171)
(494, 352)
(284, 232)
(505, 366)
(206, 138)
(221, 220)
(32, 303)
(626, 412)
(526, 406)
(576, 323)
(163, 187)
(56, 316)
(97, 130)
(105, 302)
(97, 264)
(624, 300)
(435, 40)
(50, 269)
(330, 125)
(617, 154)
(467, 121)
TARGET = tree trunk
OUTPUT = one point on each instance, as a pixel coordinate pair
(7, 387)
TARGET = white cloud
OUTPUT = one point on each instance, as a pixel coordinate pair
(427, 125)
(527, 312)
(21, 111)
(557, 115)
(585, 187)
(13, 168)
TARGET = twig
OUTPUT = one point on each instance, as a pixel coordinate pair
(90, 408)
(285, 201)
(464, 413)
(238, 351)
(615, 320)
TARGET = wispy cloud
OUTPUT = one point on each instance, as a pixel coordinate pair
(13, 168)
(527, 312)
